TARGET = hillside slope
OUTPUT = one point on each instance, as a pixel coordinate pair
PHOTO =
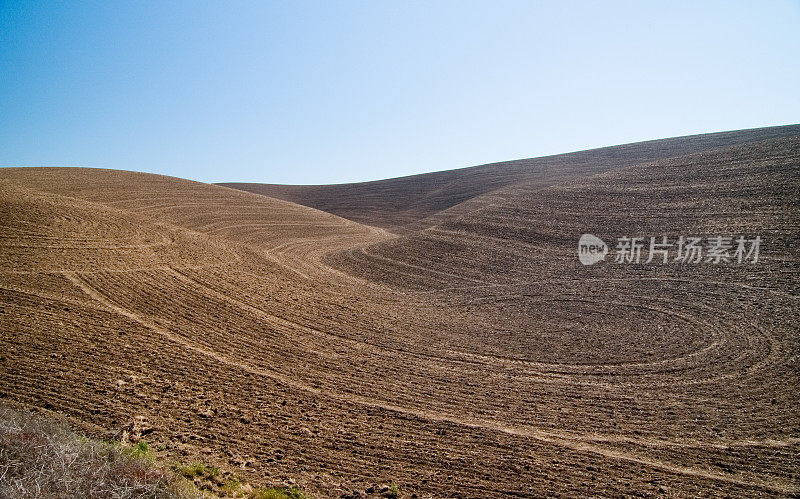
(474, 358)
(402, 204)
(521, 231)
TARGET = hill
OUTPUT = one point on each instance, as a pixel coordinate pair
(402, 204)
(471, 355)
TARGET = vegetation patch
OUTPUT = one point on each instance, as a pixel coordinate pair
(41, 458)
(280, 493)
(209, 480)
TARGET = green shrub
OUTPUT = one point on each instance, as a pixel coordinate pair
(140, 451)
(197, 469)
(280, 493)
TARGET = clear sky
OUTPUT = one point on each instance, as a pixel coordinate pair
(337, 91)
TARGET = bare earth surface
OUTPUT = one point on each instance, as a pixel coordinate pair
(443, 337)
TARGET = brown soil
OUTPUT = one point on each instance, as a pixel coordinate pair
(470, 356)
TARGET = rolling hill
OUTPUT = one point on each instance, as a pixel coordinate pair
(435, 331)
(404, 203)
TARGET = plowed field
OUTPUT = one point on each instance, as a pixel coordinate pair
(444, 337)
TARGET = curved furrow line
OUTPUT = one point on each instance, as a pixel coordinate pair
(550, 437)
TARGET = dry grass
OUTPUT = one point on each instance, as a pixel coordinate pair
(41, 458)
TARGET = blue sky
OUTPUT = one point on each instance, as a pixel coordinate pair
(338, 91)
